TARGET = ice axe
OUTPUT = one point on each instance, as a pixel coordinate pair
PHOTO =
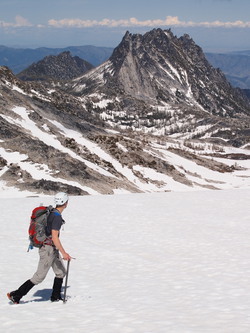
(66, 283)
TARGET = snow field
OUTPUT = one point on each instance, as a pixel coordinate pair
(145, 263)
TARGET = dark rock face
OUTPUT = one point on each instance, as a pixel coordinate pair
(60, 67)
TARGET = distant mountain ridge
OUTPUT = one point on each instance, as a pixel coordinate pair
(20, 59)
(235, 65)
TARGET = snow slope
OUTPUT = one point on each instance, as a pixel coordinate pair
(143, 178)
(175, 262)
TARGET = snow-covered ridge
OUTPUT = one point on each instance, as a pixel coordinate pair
(143, 174)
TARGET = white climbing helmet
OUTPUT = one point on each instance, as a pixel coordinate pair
(61, 198)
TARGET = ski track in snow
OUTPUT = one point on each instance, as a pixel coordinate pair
(175, 262)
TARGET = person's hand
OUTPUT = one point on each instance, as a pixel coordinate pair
(66, 256)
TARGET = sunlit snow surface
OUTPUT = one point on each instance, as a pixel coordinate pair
(175, 262)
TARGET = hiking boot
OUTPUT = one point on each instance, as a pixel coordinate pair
(56, 292)
(56, 299)
(13, 298)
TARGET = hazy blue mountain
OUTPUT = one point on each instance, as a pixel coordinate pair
(244, 52)
(19, 59)
(235, 65)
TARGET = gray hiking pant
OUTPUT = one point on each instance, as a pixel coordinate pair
(49, 257)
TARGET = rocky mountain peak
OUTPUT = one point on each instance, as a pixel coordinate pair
(59, 67)
(161, 68)
(6, 74)
(132, 43)
(160, 78)
(155, 117)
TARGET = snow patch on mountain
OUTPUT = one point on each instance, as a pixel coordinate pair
(144, 178)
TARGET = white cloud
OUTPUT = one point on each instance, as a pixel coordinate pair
(19, 22)
(133, 22)
(169, 21)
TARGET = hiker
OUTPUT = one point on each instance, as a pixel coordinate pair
(49, 255)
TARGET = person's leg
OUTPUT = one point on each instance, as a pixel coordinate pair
(16, 295)
(47, 257)
(56, 291)
(60, 271)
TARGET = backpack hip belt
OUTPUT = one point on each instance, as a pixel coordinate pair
(48, 241)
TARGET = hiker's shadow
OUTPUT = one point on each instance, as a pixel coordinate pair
(44, 295)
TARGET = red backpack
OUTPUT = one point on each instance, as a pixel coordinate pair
(38, 223)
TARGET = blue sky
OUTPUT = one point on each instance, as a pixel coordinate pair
(215, 25)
